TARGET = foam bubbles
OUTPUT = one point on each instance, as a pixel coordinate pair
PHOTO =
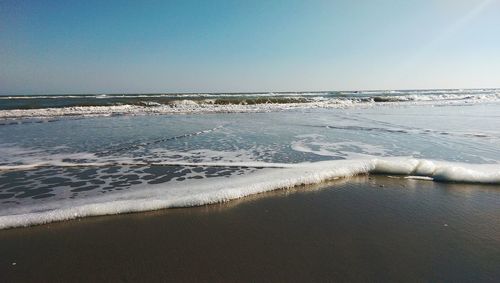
(205, 192)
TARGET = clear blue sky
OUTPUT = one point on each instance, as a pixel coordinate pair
(261, 45)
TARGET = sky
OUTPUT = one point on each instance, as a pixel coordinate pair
(243, 46)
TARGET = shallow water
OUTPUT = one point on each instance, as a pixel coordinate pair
(66, 167)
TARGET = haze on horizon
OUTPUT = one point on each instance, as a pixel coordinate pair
(244, 46)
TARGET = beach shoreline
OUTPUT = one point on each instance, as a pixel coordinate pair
(354, 229)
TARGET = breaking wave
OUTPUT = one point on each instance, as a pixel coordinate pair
(239, 104)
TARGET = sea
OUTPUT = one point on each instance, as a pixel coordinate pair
(69, 156)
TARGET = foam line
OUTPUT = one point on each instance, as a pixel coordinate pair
(141, 144)
(154, 197)
(255, 164)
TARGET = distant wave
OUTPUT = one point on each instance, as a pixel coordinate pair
(256, 94)
(251, 104)
(168, 95)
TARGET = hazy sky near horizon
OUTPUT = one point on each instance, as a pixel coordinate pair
(209, 46)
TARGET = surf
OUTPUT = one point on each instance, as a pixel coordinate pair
(273, 177)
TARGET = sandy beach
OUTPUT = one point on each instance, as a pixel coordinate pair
(359, 229)
(249, 141)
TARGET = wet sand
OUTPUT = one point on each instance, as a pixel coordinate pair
(360, 229)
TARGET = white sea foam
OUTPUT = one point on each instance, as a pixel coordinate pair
(19, 158)
(154, 197)
(317, 144)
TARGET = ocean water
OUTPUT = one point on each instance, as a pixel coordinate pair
(70, 156)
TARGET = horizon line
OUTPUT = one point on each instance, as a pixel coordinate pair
(245, 92)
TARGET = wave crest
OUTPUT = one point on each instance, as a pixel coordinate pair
(257, 104)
